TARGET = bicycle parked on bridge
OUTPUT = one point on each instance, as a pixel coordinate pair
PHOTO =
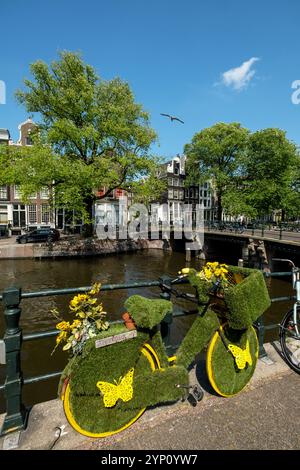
(123, 370)
(289, 328)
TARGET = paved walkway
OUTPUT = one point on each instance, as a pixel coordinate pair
(265, 416)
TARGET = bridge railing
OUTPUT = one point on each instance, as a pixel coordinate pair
(10, 346)
(286, 232)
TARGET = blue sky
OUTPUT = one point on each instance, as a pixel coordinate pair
(203, 61)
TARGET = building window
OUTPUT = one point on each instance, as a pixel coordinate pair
(186, 193)
(176, 168)
(32, 214)
(45, 213)
(3, 214)
(17, 192)
(3, 192)
(44, 193)
(175, 194)
(181, 195)
(170, 193)
(170, 181)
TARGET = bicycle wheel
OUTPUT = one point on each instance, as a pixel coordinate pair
(231, 359)
(290, 344)
(89, 415)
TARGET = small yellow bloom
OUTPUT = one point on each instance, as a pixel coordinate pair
(63, 325)
(185, 270)
(95, 289)
(75, 324)
(61, 337)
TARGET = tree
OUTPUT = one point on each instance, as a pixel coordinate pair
(92, 134)
(271, 168)
(253, 173)
(215, 154)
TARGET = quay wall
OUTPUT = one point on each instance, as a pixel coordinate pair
(76, 248)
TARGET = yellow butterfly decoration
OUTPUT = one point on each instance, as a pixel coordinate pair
(122, 389)
(241, 356)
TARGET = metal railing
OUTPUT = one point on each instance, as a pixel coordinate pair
(10, 347)
(281, 232)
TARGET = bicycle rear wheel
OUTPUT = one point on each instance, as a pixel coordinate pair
(229, 372)
(290, 344)
(99, 420)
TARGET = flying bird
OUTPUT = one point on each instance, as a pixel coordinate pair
(173, 118)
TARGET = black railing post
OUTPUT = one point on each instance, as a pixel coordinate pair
(259, 323)
(165, 325)
(16, 414)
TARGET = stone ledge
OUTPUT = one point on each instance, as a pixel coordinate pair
(77, 248)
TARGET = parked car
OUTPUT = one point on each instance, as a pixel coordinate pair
(39, 235)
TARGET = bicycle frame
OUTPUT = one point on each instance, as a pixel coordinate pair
(296, 287)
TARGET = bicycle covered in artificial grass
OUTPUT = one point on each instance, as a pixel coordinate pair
(116, 373)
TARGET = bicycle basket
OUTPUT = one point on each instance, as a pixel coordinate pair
(246, 298)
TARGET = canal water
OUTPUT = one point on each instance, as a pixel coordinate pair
(36, 315)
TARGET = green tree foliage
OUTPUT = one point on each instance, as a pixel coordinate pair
(92, 134)
(253, 173)
(215, 154)
(271, 168)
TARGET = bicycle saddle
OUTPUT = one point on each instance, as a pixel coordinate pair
(147, 313)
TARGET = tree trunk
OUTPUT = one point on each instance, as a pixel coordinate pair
(88, 227)
(219, 207)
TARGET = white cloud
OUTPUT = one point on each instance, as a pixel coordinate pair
(239, 77)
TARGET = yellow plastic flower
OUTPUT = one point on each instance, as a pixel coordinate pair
(75, 324)
(185, 271)
(78, 299)
(63, 325)
(61, 337)
(207, 273)
(89, 322)
(95, 289)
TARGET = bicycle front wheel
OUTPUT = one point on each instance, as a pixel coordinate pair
(231, 359)
(290, 343)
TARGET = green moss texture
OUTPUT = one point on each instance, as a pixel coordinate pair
(227, 377)
(109, 364)
(147, 313)
(247, 300)
(197, 337)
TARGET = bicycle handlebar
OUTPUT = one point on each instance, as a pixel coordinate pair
(166, 286)
(285, 260)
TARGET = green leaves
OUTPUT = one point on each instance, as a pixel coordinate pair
(92, 134)
(253, 173)
(216, 154)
